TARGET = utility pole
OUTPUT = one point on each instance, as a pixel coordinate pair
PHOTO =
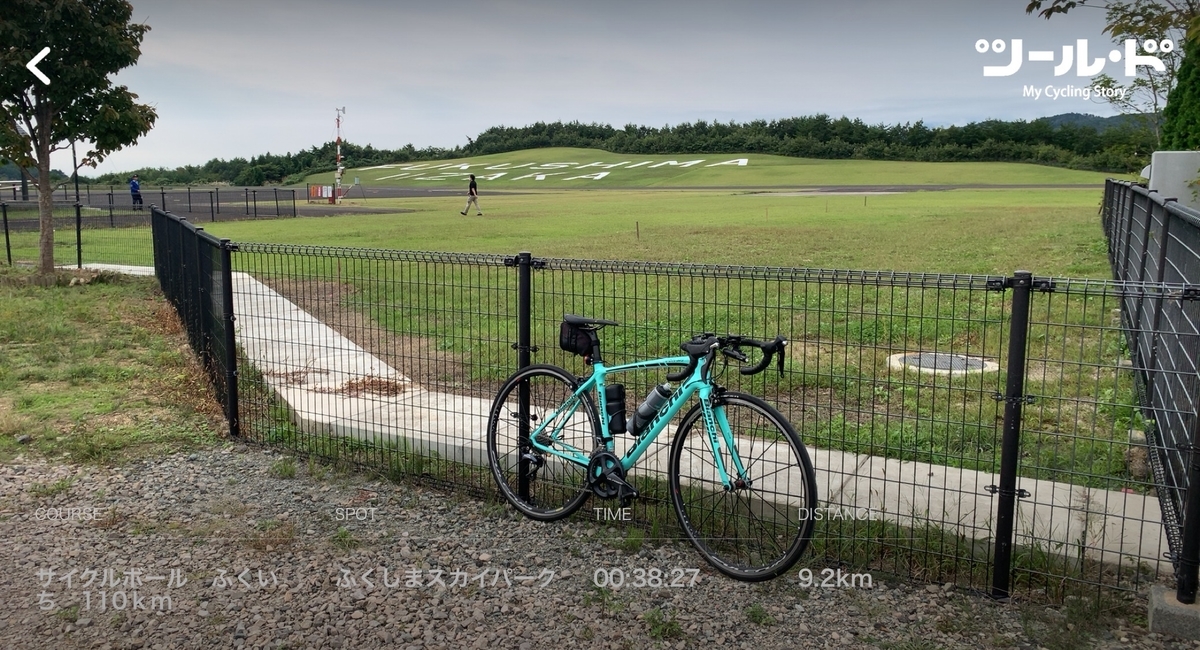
(337, 174)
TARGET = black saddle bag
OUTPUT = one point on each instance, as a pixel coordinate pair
(575, 339)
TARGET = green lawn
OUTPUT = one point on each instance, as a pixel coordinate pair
(1047, 231)
(560, 168)
(98, 371)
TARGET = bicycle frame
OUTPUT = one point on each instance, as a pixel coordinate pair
(695, 384)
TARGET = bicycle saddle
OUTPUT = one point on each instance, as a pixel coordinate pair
(587, 322)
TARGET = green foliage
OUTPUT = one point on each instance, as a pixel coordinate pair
(345, 540)
(89, 41)
(283, 468)
(819, 136)
(662, 627)
(758, 615)
(1072, 143)
(275, 169)
(1181, 117)
(1139, 20)
(10, 172)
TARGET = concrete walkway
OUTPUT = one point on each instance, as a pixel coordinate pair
(315, 370)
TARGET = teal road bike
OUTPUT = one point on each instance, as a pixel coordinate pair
(740, 479)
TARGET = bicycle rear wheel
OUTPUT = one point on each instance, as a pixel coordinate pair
(753, 532)
(542, 486)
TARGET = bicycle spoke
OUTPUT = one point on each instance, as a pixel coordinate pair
(541, 484)
(749, 532)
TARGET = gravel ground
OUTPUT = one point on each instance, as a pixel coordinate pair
(251, 558)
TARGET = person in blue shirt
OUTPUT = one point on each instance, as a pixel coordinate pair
(135, 188)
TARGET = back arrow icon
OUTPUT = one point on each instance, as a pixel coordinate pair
(32, 65)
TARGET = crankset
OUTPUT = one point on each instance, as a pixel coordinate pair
(606, 478)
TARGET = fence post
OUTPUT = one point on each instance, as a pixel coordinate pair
(293, 203)
(78, 237)
(1014, 398)
(227, 317)
(212, 216)
(110, 209)
(1189, 555)
(247, 190)
(7, 245)
(254, 193)
(89, 193)
(276, 201)
(218, 191)
(524, 291)
(162, 194)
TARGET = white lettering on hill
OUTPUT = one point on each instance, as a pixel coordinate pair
(675, 163)
(455, 171)
(740, 162)
(601, 166)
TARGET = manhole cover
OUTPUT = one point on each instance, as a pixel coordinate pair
(941, 363)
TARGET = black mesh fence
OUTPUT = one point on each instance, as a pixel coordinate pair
(194, 272)
(108, 226)
(1152, 240)
(383, 358)
(1005, 433)
(899, 385)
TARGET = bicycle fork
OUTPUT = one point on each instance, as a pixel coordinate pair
(715, 420)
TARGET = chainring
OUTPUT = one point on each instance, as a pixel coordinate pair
(601, 468)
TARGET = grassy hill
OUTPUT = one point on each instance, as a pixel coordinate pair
(567, 168)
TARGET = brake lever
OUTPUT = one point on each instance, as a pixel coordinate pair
(780, 350)
(734, 353)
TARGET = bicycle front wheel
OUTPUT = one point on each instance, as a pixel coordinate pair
(759, 529)
(541, 485)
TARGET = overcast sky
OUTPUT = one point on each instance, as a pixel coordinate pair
(238, 78)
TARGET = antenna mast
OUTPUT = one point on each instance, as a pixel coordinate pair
(337, 174)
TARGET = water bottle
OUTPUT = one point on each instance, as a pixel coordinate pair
(648, 409)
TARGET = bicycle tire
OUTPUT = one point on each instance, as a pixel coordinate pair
(754, 533)
(558, 488)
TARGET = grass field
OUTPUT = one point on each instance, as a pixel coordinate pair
(568, 168)
(840, 376)
(863, 407)
(98, 372)
(1050, 232)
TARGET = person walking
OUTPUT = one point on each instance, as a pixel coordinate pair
(472, 197)
(135, 189)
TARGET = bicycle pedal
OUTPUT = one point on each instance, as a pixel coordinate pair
(628, 499)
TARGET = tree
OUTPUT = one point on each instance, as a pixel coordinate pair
(1141, 20)
(1181, 118)
(89, 41)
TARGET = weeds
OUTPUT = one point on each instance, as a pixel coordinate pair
(759, 616)
(283, 468)
(58, 487)
(271, 534)
(344, 540)
(662, 627)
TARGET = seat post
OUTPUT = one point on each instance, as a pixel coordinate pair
(595, 358)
